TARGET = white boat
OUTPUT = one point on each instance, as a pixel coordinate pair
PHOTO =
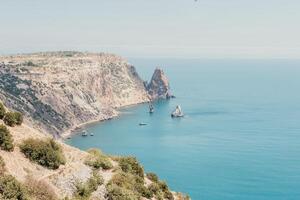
(177, 112)
(91, 134)
(84, 133)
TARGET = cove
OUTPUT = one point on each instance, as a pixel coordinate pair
(239, 139)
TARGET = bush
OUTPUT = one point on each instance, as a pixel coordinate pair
(97, 160)
(115, 192)
(132, 183)
(18, 118)
(13, 118)
(9, 119)
(84, 190)
(10, 188)
(161, 190)
(165, 189)
(6, 140)
(40, 190)
(154, 188)
(95, 181)
(152, 177)
(2, 111)
(44, 152)
(131, 165)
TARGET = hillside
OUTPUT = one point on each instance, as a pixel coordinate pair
(62, 181)
(57, 91)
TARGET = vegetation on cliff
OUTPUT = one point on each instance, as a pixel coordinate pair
(44, 152)
(85, 190)
(6, 140)
(131, 165)
(10, 188)
(39, 189)
(97, 160)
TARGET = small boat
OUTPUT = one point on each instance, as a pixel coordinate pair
(177, 112)
(151, 108)
(91, 134)
(142, 124)
(84, 133)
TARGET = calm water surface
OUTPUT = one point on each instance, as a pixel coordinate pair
(239, 140)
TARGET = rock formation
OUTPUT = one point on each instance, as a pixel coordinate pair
(159, 87)
(58, 91)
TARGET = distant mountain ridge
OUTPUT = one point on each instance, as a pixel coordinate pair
(57, 91)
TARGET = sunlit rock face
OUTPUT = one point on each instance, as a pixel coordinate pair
(59, 90)
(158, 87)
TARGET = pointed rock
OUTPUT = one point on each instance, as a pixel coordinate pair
(159, 87)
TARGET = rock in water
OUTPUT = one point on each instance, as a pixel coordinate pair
(159, 87)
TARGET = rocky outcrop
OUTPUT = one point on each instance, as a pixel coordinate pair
(60, 90)
(57, 91)
(159, 87)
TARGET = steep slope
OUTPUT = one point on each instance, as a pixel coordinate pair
(64, 180)
(59, 90)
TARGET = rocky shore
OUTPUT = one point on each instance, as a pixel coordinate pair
(58, 91)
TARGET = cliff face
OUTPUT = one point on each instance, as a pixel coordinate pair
(57, 91)
(159, 87)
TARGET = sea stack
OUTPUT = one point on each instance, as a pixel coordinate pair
(159, 87)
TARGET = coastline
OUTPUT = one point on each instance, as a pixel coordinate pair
(72, 131)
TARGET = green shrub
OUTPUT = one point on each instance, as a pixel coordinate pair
(44, 152)
(165, 189)
(95, 181)
(9, 119)
(13, 118)
(2, 111)
(84, 190)
(39, 190)
(131, 165)
(2, 166)
(18, 118)
(115, 192)
(154, 188)
(161, 190)
(97, 160)
(10, 188)
(152, 177)
(6, 140)
(132, 183)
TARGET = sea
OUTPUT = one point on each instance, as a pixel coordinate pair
(239, 138)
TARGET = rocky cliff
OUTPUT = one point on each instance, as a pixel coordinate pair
(159, 87)
(59, 90)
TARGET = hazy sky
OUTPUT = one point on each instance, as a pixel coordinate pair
(151, 28)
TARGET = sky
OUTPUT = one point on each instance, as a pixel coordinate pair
(153, 28)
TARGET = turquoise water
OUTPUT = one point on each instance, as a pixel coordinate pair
(239, 140)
